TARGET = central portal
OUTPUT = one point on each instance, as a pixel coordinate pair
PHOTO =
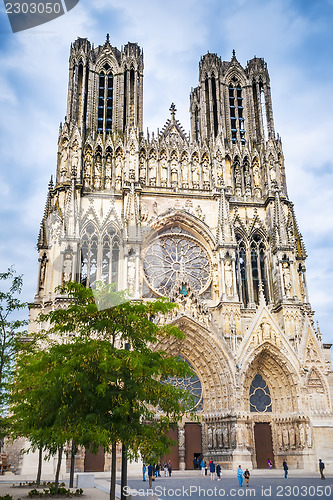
(264, 444)
(193, 444)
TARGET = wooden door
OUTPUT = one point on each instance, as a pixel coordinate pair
(94, 462)
(263, 444)
(173, 455)
(193, 443)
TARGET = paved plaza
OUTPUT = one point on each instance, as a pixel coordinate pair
(190, 485)
(263, 484)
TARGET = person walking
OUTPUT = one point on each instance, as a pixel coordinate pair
(202, 467)
(150, 475)
(218, 471)
(169, 468)
(212, 470)
(144, 472)
(165, 467)
(285, 468)
(240, 475)
(247, 476)
(321, 468)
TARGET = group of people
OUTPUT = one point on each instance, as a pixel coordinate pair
(154, 470)
(214, 469)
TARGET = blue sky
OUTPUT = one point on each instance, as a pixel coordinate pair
(295, 38)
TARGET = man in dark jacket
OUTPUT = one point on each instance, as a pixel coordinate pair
(212, 470)
(285, 468)
(150, 475)
(321, 468)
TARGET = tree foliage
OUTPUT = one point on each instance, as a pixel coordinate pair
(99, 378)
(11, 328)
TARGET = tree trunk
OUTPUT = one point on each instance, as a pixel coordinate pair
(56, 482)
(113, 472)
(123, 472)
(39, 471)
(71, 474)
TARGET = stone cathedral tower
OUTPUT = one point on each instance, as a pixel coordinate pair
(205, 220)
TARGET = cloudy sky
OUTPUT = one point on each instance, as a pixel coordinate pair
(295, 38)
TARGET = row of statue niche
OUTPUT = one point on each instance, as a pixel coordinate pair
(294, 436)
(228, 279)
(183, 174)
(243, 178)
(94, 175)
(65, 167)
(221, 436)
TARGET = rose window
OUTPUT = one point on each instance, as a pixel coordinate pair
(173, 257)
(190, 384)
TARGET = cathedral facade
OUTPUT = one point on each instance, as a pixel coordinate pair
(205, 220)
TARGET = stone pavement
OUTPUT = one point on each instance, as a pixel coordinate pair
(190, 485)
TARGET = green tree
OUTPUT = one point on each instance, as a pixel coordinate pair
(10, 333)
(88, 387)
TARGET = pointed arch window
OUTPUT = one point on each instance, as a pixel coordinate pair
(110, 257)
(258, 267)
(105, 100)
(89, 250)
(241, 271)
(99, 256)
(207, 104)
(236, 111)
(260, 396)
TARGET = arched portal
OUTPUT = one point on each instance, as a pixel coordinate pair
(208, 356)
(270, 391)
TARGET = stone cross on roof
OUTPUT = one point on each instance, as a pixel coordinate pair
(173, 111)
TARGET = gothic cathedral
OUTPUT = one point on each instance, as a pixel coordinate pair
(205, 220)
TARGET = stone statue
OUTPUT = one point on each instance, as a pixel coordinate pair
(42, 271)
(152, 171)
(108, 172)
(238, 178)
(87, 168)
(131, 273)
(247, 177)
(225, 437)
(98, 171)
(286, 279)
(228, 277)
(144, 212)
(292, 437)
(164, 172)
(185, 173)
(75, 157)
(142, 170)
(174, 173)
(64, 162)
(285, 437)
(308, 436)
(67, 267)
(301, 435)
(272, 172)
(256, 175)
(210, 437)
(195, 173)
(279, 436)
(181, 437)
(205, 174)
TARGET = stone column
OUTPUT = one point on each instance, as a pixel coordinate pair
(181, 446)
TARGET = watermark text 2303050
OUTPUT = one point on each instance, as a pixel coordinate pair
(25, 14)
